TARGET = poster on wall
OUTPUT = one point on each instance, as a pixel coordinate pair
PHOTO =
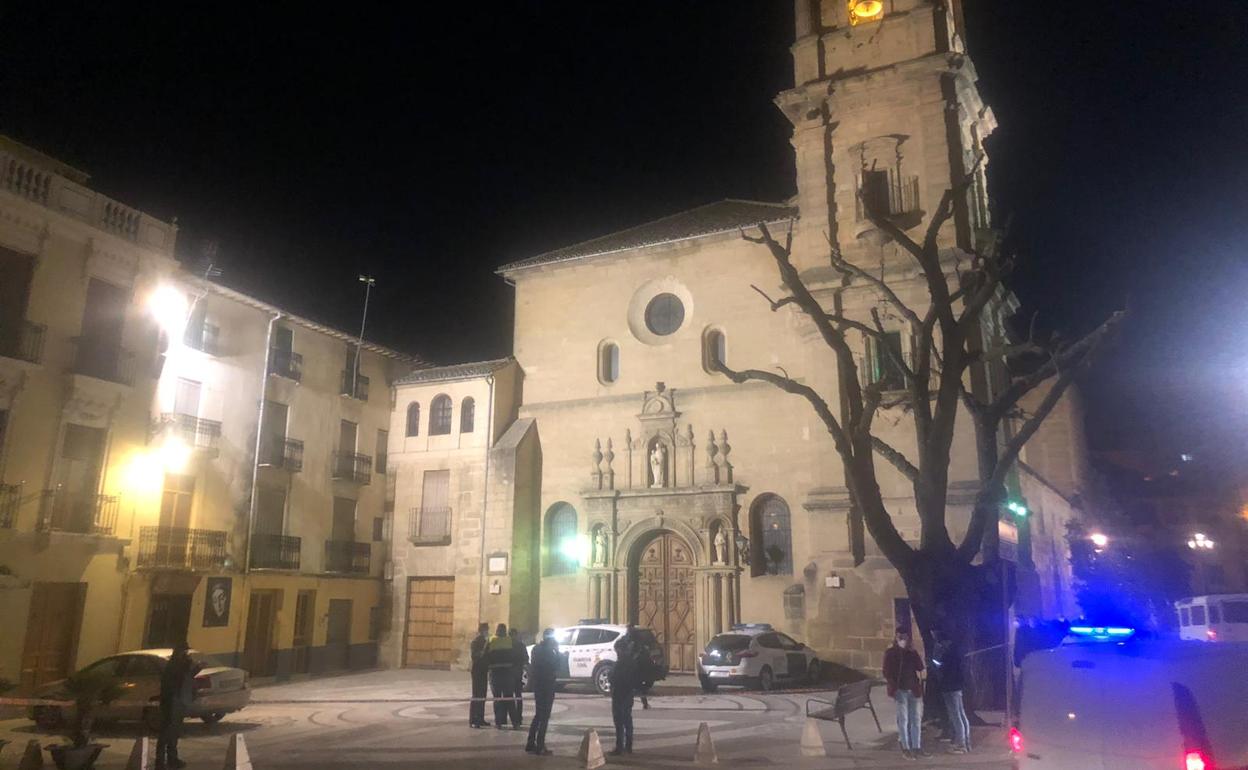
(217, 602)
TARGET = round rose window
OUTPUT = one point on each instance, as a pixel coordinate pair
(664, 314)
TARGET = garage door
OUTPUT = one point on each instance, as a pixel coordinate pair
(430, 605)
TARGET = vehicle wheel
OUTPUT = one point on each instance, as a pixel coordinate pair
(48, 717)
(814, 672)
(213, 718)
(151, 719)
(524, 680)
(707, 684)
(602, 678)
(765, 679)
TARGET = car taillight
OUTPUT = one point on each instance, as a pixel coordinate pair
(1195, 760)
(200, 684)
(1016, 740)
(1212, 634)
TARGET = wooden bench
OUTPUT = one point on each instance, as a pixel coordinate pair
(849, 699)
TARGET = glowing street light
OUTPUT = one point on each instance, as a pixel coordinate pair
(1099, 539)
(1199, 542)
(168, 306)
(1017, 508)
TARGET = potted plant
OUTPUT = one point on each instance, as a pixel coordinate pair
(89, 690)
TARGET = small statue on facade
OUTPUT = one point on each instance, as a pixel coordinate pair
(719, 553)
(658, 466)
(600, 547)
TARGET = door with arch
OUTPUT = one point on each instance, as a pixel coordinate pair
(665, 599)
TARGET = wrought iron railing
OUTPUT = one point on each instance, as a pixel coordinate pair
(181, 548)
(282, 452)
(892, 198)
(103, 360)
(354, 385)
(10, 499)
(349, 466)
(64, 511)
(195, 431)
(23, 341)
(275, 551)
(347, 556)
(286, 363)
(430, 526)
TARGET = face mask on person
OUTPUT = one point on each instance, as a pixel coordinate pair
(903, 643)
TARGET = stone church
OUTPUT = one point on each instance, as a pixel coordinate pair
(606, 471)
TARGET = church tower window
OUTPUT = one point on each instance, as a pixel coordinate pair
(771, 537)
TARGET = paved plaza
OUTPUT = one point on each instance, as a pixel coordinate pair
(401, 719)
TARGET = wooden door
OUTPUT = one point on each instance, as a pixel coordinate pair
(338, 634)
(168, 619)
(51, 633)
(258, 657)
(430, 605)
(666, 598)
(305, 607)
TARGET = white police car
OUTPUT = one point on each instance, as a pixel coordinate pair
(756, 655)
(587, 652)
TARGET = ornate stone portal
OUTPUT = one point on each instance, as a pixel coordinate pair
(664, 549)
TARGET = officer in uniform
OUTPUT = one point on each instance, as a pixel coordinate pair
(480, 677)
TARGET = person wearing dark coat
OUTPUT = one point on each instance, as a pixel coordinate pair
(624, 681)
(544, 668)
(950, 682)
(480, 676)
(176, 690)
(903, 668)
(501, 658)
(520, 661)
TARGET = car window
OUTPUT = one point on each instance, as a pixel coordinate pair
(770, 641)
(788, 643)
(112, 666)
(729, 642)
(1185, 619)
(1215, 614)
(564, 638)
(1198, 615)
(596, 636)
(143, 666)
(1235, 612)
(206, 661)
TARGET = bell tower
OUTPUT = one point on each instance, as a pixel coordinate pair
(886, 114)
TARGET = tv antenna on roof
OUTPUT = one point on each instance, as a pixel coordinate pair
(368, 282)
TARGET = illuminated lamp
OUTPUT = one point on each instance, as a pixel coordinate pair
(1195, 760)
(169, 308)
(865, 10)
(1016, 740)
(576, 549)
(174, 455)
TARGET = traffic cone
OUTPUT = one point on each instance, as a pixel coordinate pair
(32, 759)
(591, 750)
(812, 741)
(237, 757)
(140, 755)
(704, 754)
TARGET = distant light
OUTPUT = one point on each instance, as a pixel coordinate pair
(174, 455)
(1200, 542)
(1195, 760)
(1016, 740)
(576, 548)
(1017, 508)
(168, 306)
(1099, 539)
(865, 10)
(1185, 457)
(1102, 633)
(1070, 715)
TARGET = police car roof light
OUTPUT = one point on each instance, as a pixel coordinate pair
(751, 627)
(1102, 632)
(593, 622)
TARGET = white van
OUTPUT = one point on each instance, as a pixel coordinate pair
(1218, 618)
(1110, 704)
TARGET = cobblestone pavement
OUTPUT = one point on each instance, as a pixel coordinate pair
(402, 719)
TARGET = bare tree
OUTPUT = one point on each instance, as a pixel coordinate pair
(948, 344)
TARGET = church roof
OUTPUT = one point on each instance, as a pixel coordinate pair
(723, 216)
(454, 371)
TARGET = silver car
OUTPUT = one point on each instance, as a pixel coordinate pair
(218, 690)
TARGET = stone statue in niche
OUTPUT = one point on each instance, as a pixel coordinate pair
(658, 466)
(719, 550)
(600, 547)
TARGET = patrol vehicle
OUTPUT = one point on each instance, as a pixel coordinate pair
(587, 653)
(756, 655)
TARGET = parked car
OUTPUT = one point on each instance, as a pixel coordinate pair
(1218, 618)
(588, 653)
(755, 655)
(218, 690)
(1106, 701)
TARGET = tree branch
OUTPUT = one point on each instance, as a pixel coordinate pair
(895, 458)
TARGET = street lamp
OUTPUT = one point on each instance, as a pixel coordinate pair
(1100, 540)
(1199, 542)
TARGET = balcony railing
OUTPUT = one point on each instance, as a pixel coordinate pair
(898, 197)
(282, 452)
(354, 385)
(63, 511)
(196, 432)
(181, 548)
(347, 556)
(430, 526)
(10, 499)
(274, 551)
(285, 363)
(103, 361)
(23, 341)
(349, 466)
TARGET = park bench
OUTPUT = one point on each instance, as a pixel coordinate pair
(849, 699)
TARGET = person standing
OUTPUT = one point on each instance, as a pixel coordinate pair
(543, 671)
(176, 691)
(947, 672)
(480, 676)
(623, 688)
(902, 670)
(502, 679)
(520, 661)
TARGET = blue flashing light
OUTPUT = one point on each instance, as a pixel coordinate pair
(1102, 633)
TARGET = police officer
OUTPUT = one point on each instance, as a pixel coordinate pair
(501, 659)
(544, 669)
(480, 677)
(520, 660)
(624, 682)
(176, 691)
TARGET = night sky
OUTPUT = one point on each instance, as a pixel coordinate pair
(427, 148)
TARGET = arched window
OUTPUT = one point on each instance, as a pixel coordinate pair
(467, 415)
(771, 537)
(561, 540)
(440, 416)
(608, 363)
(714, 349)
(413, 419)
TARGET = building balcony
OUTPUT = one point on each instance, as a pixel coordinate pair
(22, 341)
(281, 452)
(181, 548)
(430, 526)
(354, 385)
(285, 363)
(103, 361)
(348, 557)
(356, 468)
(64, 511)
(275, 551)
(889, 195)
(195, 432)
(10, 499)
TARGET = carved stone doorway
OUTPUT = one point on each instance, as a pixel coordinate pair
(664, 597)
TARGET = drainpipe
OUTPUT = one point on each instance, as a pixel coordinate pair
(255, 464)
(485, 500)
